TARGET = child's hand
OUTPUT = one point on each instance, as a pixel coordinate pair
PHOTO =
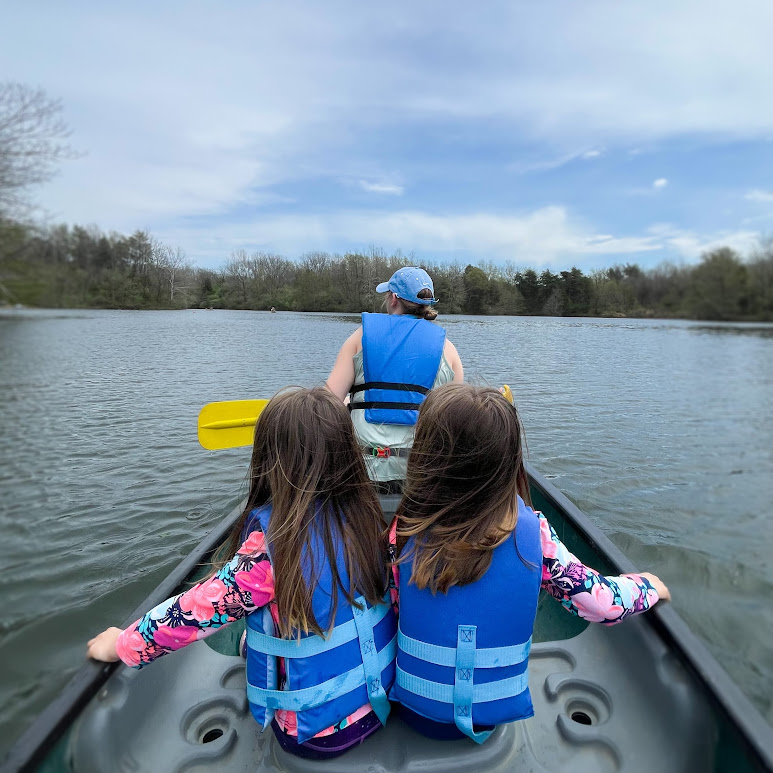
(658, 585)
(102, 647)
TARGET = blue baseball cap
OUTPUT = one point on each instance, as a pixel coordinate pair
(406, 284)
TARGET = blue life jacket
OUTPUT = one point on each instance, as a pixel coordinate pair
(462, 656)
(325, 679)
(401, 357)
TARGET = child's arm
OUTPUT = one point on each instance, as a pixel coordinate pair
(585, 592)
(242, 586)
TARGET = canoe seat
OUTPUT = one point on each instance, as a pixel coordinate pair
(608, 699)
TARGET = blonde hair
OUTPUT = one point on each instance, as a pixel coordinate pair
(465, 474)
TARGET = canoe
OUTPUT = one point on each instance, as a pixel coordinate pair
(644, 696)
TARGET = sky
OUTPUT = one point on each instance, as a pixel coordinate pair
(550, 133)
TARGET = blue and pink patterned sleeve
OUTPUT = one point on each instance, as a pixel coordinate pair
(585, 592)
(243, 585)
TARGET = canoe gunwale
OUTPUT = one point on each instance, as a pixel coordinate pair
(721, 690)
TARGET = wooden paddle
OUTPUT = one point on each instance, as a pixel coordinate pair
(229, 424)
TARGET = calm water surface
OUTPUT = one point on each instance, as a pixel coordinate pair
(661, 431)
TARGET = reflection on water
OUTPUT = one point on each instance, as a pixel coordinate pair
(647, 425)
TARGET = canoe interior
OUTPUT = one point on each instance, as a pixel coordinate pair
(605, 699)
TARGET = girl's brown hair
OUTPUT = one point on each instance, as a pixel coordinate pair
(307, 463)
(421, 310)
(465, 473)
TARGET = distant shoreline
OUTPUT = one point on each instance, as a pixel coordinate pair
(62, 267)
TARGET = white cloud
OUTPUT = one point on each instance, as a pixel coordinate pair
(544, 236)
(195, 110)
(661, 182)
(761, 197)
(530, 165)
(691, 245)
(387, 188)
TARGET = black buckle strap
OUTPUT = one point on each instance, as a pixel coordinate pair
(396, 386)
(385, 406)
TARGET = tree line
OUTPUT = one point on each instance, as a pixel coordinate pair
(77, 267)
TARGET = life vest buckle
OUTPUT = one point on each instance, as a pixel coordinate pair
(381, 453)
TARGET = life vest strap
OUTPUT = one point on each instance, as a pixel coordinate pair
(314, 645)
(370, 664)
(489, 657)
(463, 683)
(317, 695)
(395, 386)
(463, 694)
(444, 693)
(384, 405)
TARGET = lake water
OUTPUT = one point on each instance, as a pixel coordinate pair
(662, 432)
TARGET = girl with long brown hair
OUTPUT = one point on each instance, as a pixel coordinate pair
(470, 558)
(307, 568)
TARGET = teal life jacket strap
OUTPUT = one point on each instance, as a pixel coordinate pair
(464, 659)
(317, 695)
(314, 645)
(491, 657)
(463, 694)
(370, 663)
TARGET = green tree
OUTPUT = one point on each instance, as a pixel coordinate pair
(528, 285)
(577, 289)
(477, 290)
(719, 287)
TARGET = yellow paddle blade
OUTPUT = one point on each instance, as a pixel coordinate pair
(507, 392)
(229, 424)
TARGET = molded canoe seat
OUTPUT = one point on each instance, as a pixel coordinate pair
(609, 699)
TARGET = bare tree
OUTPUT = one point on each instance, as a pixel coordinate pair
(174, 263)
(317, 262)
(32, 142)
(238, 273)
(272, 273)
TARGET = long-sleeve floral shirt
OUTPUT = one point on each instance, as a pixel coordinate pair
(246, 584)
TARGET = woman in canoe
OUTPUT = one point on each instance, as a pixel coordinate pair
(307, 561)
(470, 558)
(387, 366)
